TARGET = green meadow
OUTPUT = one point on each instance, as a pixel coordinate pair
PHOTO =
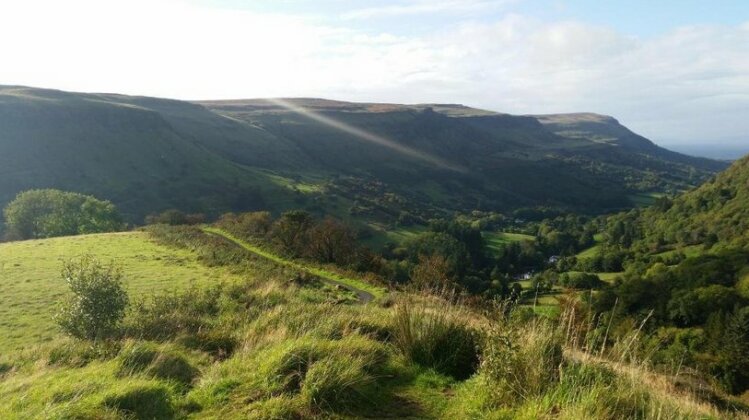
(30, 282)
(496, 240)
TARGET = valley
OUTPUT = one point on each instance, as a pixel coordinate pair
(308, 258)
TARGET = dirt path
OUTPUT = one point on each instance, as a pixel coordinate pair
(353, 285)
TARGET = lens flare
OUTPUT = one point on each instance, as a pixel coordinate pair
(365, 135)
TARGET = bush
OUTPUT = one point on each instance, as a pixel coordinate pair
(438, 340)
(48, 213)
(99, 300)
(580, 281)
(174, 218)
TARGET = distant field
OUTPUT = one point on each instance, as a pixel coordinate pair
(398, 235)
(30, 283)
(592, 251)
(589, 253)
(644, 199)
(608, 277)
(496, 240)
(689, 251)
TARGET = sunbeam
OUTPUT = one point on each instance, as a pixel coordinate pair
(366, 136)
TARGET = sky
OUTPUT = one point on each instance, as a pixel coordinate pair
(676, 71)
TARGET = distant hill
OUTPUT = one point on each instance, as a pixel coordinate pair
(716, 212)
(369, 161)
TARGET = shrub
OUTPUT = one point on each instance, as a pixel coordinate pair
(580, 280)
(99, 300)
(175, 217)
(47, 213)
(438, 340)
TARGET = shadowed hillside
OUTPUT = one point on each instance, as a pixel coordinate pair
(369, 161)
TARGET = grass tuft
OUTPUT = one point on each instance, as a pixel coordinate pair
(437, 339)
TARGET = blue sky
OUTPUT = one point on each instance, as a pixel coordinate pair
(674, 71)
(636, 17)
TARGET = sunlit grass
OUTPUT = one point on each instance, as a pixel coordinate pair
(31, 286)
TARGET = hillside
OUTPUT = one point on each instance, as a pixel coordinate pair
(367, 161)
(715, 213)
(133, 155)
(247, 342)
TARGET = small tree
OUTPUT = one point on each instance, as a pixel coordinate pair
(433, 272)
(98, 303)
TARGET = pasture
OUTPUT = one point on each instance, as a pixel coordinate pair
(31, 286)
(497, 240)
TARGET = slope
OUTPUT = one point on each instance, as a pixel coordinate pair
(716, 212)
(372, 162)
(117, 150)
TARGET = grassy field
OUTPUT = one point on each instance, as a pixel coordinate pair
(496, 240)
(689, 251)
(382, 235)
(593, 250)
(608, 277)
(645, 199)
(30, 282)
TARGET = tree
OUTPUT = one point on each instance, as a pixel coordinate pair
(331, 241)
(48, 213)
(98, 301)
(290, 231)
(442, 244)
(433, 272)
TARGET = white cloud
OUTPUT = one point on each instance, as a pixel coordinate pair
(422, 7)
(691, 83)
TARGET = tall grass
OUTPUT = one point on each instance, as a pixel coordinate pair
(437, 338)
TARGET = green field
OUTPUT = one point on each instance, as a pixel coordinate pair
(593, 250)
(645, 199)
(689, 251)
(287, 319)
(31, 286)
(382, 235)
(496, 240)
(608, 277)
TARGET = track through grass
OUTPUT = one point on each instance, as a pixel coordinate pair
(366, 292)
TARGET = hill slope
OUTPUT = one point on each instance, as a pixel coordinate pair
(249, 343)
(716, 212)
(373, 161)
